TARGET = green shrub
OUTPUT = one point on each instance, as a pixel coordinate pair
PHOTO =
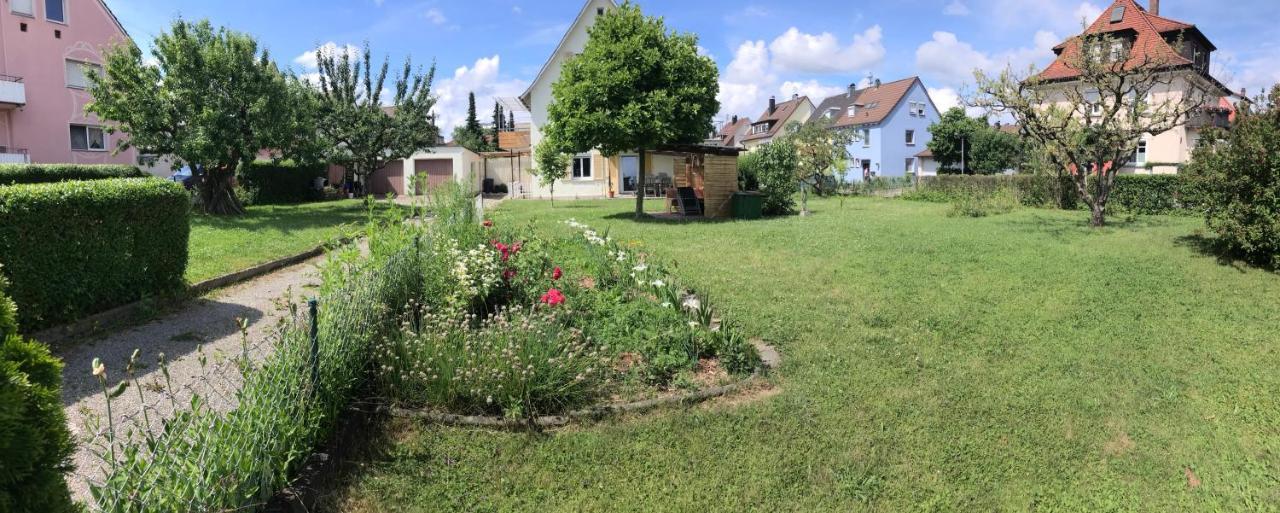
(76, 248)
(773, 167)
(267, 183)
(8, 310)
(1139, 194)
(982, 203)
(35, 444)
(1238, 182)
(12, 174)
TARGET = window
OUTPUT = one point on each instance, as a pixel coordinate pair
(911, 165)
(78, 73)
(88, 138)
(1094, 102)
(760, 128)
(1117, 51)
(582, 168)
(22, 7)
(55, 10)
(866, 138)
(1140, 159)
(911, 137)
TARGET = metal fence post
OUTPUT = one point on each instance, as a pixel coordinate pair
(314, 305)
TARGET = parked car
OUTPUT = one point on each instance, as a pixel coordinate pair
(187, 176)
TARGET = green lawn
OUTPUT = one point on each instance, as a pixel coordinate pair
(1012, 363)
(223, 245)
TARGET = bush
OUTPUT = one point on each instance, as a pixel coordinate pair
(1139, 194)
(982, 203)
(1238, 181)
(13, 174)
(773, 166)
(267, 183)
(75, 248)
(35, 444)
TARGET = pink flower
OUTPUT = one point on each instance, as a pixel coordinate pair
(553, 297)
(556, 274)
(509, 274)
(488, 223)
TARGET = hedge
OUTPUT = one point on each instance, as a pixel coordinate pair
(281, 183)
(12, 174)
(76, 248)
(1139, 194)
(35, 444)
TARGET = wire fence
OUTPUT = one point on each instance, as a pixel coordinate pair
(283, 395)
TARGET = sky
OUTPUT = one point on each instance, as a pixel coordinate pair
(763, 47)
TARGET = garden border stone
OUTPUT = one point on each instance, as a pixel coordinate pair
(770, 360)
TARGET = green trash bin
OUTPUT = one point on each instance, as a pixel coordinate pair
(748, 205)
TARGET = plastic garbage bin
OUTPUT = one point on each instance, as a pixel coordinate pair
(748, 205)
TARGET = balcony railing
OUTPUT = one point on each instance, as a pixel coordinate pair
(1215, 117)
(12, 91)
(14, 155)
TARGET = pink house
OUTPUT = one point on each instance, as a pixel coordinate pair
(46, 48)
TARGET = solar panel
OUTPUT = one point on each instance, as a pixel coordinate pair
(1117, 14)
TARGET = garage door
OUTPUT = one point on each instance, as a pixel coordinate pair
(436, 171)
(389, 179)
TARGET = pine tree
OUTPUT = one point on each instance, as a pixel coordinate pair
(473, 123)
(511, 121)
(498, 119)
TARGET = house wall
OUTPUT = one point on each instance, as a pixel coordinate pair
(38, 57)
(801, 115)
(889, 150)
(926, 166)
(468, 168)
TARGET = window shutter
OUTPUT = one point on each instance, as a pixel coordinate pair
(21, 7)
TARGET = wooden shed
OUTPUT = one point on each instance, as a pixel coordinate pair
(710, 173)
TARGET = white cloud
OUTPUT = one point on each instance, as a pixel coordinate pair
(815, 90)
(484, 79)
(435, 16)
(823, 53)
(1061, 16)
(944, 98)
(956, 8)
(947, 60)
(308, 60)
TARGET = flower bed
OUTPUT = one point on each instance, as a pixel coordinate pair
(520, 326)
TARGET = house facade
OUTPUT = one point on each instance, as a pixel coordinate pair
(775, 119)
(1144, 36)
(47, 50)
(731, 133)
(891, 121)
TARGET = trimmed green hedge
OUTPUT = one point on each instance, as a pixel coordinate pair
(270, 183)
(1139, 194)
(12, 174)
(35, 444)
(77, 248)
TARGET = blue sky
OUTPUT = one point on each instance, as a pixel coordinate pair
(763, 47)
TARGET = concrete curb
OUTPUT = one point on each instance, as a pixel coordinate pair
(120, 315)
(770, 360)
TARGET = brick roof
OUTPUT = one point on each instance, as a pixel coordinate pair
(729, 131)
(1148, 43)
(781, 113)
(874, 104)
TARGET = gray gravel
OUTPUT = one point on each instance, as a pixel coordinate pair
(206, 328)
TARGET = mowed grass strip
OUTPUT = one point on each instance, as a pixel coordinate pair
(1010, 363)
(225, 244)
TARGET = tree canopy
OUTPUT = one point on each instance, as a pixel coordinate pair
(636, 85)
(363, 130)
(821, 151)
(212, 98)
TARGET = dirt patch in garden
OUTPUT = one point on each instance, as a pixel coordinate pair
(709, 373)
(756, 392)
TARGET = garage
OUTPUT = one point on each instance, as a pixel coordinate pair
(433, 172)
(389, 179)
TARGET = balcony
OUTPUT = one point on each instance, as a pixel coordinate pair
(1210, 117)
(13, 93)
(14, 156)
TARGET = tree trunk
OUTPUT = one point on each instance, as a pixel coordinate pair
(804, 198)
(640, 187)
(1099, 218)
(218, 193)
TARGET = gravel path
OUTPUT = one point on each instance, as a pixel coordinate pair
(206, 329)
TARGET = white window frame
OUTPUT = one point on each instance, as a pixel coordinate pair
(575, 172)
(866, 137)
(65, 12)
(1140, 155)
(31, 8)
(88, 129)
(911, 165)
(911, 137)
(83, 72)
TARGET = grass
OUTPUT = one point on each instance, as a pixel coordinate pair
(223, 245)
(1008, 363)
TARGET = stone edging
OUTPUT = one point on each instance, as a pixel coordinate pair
(58, 335)
(768, 354)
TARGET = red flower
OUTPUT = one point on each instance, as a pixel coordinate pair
(488, 223)
(509, 274)
(556, 274)
(553, 297)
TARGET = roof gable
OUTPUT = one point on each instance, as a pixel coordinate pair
(584, 20)
(875, 104)
(781, 113)
(1147, 31)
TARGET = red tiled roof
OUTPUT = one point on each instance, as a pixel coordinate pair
(729, 131)
(875, 103)
(781, 113)
(1148, 45)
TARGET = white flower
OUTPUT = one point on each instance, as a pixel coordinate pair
(666, 304)
(641, 268)
(659, 283)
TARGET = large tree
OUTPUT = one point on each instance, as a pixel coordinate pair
(952, 139)
(635, 86)
(212, 98)
(363, 129)
(1092, 122)
(470, 134)
(821, 151)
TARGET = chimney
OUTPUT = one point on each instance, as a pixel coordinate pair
(1155, 7)
(795, 96)
(853, 88)
(773, 104)
(877, 83)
